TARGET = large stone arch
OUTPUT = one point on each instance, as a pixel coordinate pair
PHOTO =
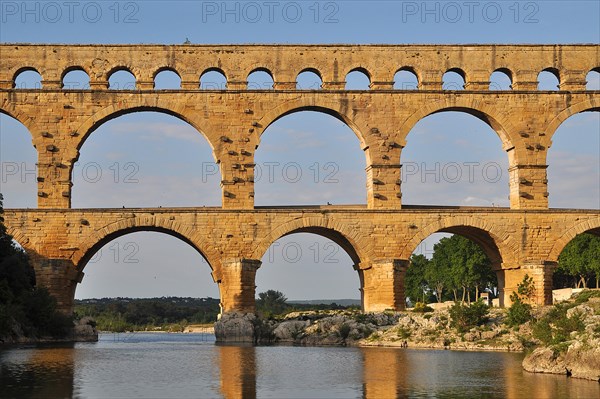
(98, 238)
(483, 111)
(136, 104)
(593, 104)
(498, 245)
(338, 110)
(359, 248)
(591, 226)
(25, 119)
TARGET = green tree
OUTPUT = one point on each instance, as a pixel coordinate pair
(460, 264)
(271, 303)
(581, 259)
(415, 282)
(519, 311)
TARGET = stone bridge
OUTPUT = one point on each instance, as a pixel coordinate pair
(379, 237)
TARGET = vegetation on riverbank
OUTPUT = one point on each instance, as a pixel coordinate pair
(148, 314)
(549, 335)
(173, 313)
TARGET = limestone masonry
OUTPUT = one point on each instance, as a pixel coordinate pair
(379, 237)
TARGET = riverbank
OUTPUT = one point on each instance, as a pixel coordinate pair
(561, 339)
(84, 330)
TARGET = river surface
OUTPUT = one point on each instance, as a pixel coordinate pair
(160, 365)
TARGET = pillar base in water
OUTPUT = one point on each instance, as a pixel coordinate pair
(235, 327)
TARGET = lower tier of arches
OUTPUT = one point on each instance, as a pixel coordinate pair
(60, 242)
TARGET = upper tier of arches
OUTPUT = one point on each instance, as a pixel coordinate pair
(521, 65)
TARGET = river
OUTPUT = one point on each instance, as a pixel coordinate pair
(160, 365)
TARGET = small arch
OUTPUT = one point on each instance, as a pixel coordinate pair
(121, 78)
(75, 78)
(593, 79)
(309, 79)
(406, 79)
(167, 79)
(358, 79)
(260, 79)
(501, 79)
(213, 79)
(549, 79)
(27, 78)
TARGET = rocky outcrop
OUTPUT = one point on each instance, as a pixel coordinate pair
(85, 330)
(235, 327)
(581, 358)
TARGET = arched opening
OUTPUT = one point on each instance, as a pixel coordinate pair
(549, 80)
(406, 79)
(358, 79)
(309, 158)
(213, 79)
(453, 79)
(454, 158)
(312, 265)
(76, 79)
(121, 79)
(28, 78)
(501, 79)
(309, 79)
(574, 163)
(147, 263)
(145, 159)
(454, 264)
(593, 79)
(579, 263)
(260, 79)
(167, 79)
(19, 158)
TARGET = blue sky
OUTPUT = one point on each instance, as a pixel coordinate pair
(324, 150)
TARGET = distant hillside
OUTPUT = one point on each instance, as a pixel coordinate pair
(341, 302)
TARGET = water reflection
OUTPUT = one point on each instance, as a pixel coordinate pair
(37, 373)
(238, 371)
(180, 365)
(384, 372)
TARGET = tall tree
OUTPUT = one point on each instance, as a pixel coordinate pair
(415, 282)
(581, 259)
(460, 264)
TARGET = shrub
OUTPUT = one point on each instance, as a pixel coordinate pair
(344, 331)
(463, 317)
(403, 333)
(421, 307)
(518, 313)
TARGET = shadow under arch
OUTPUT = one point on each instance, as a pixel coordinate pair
(114, 111)
(309, 104)
(482, 112)
(569, 235)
